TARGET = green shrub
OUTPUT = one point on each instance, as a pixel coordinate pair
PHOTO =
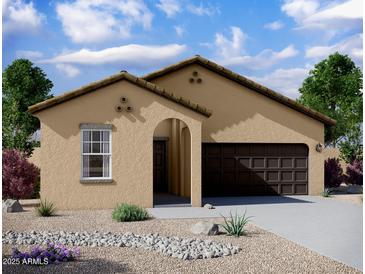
(326, 193)
(235, 225)
(129, 213)
(45, 209)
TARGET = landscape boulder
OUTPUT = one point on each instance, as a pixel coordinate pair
(209, 206)
(354, 189)
(205, 228)
(10, 206)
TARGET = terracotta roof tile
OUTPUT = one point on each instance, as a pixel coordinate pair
(112, 79)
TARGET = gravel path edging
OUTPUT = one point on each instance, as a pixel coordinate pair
(176, 247)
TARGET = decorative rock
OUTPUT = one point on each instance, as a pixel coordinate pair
(10, 206)
(206, 228)
(184, 249)
(354, 189)
(209, 206)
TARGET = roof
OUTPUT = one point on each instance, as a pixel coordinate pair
(245, 82)
(112, 79)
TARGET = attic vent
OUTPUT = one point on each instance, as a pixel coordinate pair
(122, 106)
(195, 78)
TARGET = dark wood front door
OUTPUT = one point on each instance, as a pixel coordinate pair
(239, 169)
(159, 166)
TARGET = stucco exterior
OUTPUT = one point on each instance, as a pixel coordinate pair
(221, 110)
(132, 137)
(241, 115)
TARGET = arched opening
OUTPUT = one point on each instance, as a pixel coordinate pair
(172, 164)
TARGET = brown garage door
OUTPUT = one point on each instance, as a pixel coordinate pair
(254, 169)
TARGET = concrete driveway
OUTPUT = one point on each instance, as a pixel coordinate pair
(328, 226)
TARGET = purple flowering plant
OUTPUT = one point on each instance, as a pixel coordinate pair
(53, 253)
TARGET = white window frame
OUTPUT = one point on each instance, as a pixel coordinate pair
(101, 154)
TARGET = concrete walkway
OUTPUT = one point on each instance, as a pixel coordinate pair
(328, 226)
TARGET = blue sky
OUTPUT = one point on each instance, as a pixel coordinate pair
(273, 42)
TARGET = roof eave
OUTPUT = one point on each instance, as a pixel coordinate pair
(112, 79)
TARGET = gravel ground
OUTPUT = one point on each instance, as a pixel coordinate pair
(262, 251)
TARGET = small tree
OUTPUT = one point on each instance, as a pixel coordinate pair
(333, 173)
(354, 172)
(19, 175)
(23, 85)
(334, 87)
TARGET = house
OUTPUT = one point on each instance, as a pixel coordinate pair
(192, 129)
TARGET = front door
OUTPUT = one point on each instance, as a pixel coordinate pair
(159, 166)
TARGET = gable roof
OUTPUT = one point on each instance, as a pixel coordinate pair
(245, 82)
(123, 75)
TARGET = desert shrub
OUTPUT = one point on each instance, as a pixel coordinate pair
(354, 172)
(53, 253)
(326, 193)
(45, 209)
(333, 173)
(19, 175)
(129, 213)
(235, 225)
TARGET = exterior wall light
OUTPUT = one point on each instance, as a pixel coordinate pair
(319, 147)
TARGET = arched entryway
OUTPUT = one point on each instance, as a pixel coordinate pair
(172, 164)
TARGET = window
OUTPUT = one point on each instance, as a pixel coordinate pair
(96, 154)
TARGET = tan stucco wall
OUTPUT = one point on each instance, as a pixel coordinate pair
(132, 138)
(35, 158)
(243, 115)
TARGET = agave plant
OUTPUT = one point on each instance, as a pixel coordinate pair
(235, 225)
(326, 193)
(45, 209)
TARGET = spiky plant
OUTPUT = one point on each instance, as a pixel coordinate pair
(45, 209)
(235, 225)
(326, 193)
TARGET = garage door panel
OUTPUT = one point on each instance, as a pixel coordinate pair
(244, 163)
(301, 189)
(287, 163)
(229, 162)
(244, 178)
(273, 176)
(287, 189)
(258, 162)
(254, 169)
(273, 162)
(300, 176)
(300, 162)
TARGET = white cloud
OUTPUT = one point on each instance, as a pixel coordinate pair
(69, 70)
(19, 16)
(231, 52)
(132, 56)
(95, 21)
(29, 54)
(285, 81)
(179, 30)
(228, 48)
(276, 25)
(170, 7)
(203, 10)
(331, 18)
(300, 9)
(351, 45)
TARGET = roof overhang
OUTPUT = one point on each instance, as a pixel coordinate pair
(113, 79)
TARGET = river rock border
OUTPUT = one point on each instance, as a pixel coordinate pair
(176, 247)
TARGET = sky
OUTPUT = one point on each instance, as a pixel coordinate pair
(275, 43)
